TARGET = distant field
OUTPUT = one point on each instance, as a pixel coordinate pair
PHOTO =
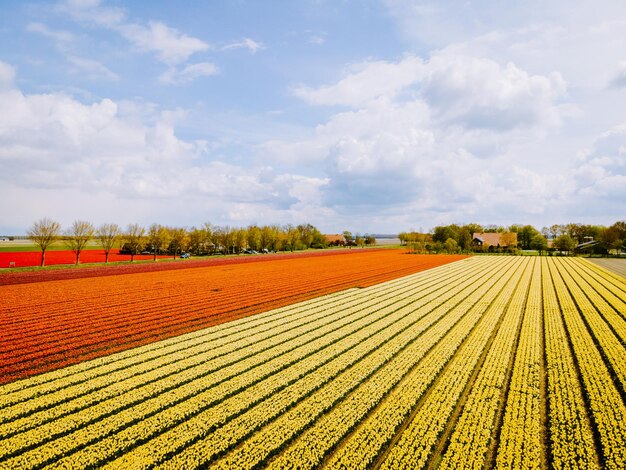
(507, 362)
(23, 258)
(618, 266)
(27, 245)
(387, 241)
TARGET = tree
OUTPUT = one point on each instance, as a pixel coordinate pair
(443, 232)
(525, 235)
(465, 239)
(44, 233)
(610, 238)
(280, 238)
(509, 239)
(360, 241)
(347, 235)
(306, 232)
(450, 245)
(565, 243)
(240, 240)
(200, 240)
(539, 243)
(403, 237)
(254, 238)
(268, 238)
(77, 237)
(619, 229)
(159, 238)
(178, 240)
(108, 235)
(134, 238)
(319, 240)
(292, 237)
(491, 228)
(226, 238)
(474, 228)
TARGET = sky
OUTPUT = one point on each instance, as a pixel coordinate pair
(368, 116)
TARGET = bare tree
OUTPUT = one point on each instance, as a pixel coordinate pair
(134, 238)
(77, 237)
(108, 235)
(44, 232)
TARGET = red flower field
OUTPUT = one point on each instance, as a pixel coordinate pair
(50, 322)
(22, 259)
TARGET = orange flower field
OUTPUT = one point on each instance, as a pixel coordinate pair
(53, 323)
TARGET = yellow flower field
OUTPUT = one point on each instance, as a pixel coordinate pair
(497, 362)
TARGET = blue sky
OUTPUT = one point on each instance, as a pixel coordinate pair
(370, 116)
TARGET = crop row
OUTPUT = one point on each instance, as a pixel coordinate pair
(243, 410)
(520, 441)
(414, 447)
(54, 324)
(312, 444)
(341, 315)
(512, 362)
(609, 410)
(470, 441)
(221, 339)
(165, 264)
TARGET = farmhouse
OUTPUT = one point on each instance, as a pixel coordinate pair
(495, 240)
(335, 240)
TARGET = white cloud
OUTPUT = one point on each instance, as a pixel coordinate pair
(64, 41)
(600, 173)
(87, 157)
(245, 43)
(459, 88)
(479, 92)
(91, 11)
(92, 68)
(318, 39)
(189, 73)
(7, 75)
(364, 82)
(442, 139)
(61, 37)
(170, 45)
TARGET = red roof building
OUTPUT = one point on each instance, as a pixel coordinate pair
(496, 240)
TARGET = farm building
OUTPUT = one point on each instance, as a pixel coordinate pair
(335, 239)
(495, 240)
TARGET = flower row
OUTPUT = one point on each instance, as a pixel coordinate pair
(472, 436)
(608, 408)
(520, 444)
(416, 444)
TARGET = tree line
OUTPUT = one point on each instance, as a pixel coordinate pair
(160, 239)
(558, 237)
